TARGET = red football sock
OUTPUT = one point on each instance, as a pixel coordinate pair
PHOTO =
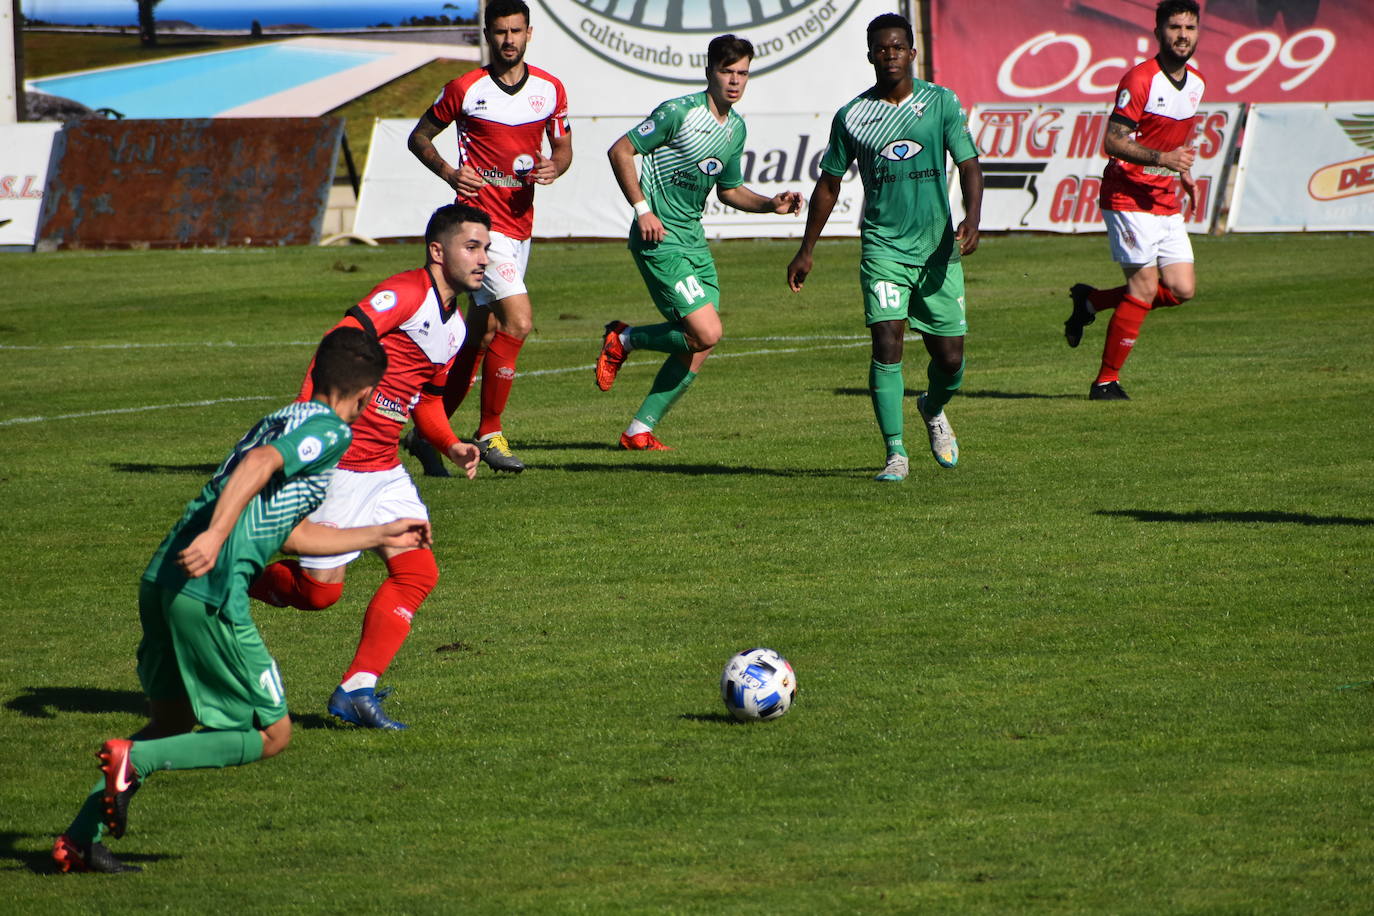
(498, 374)
(1164, 297)
(1121, 335)
(462, 374)
(285, 584)
(411, 577)
(1103, 300)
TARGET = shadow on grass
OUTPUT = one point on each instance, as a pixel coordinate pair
(992, 395)
(129, 467)
(41, 862)
(46, 702)
(718, 718)
(705, 470)
(1280, 518)
(312, 721)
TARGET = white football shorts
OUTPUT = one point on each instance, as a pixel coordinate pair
(505, 271)
(1144, 239)
(358, 498)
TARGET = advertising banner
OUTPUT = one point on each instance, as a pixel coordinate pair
(1042, 165)
(1078, 50)
(23, 172)
(1306, 167)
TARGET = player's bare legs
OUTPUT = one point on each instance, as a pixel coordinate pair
(696, 337)
(1147, 287)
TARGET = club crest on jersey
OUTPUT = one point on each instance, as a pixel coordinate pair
(508, 272)
(537, 102)
(309, 449)
(522, 165)
(1124, 99)
(711, 166)
(382, 301)
(899, 150)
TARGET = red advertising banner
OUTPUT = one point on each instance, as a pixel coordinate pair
(1078, 50)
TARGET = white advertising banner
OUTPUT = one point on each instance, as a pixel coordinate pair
(23, 171)
(1042, 164)
(1306, 167)
(782, 153)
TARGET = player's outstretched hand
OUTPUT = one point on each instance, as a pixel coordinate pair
(651, 228)
(407, 532)
(544, 171)
(788, 202)
(967, 237)
(199, 556)
(798, 270)
(467, 456)
(469, 181)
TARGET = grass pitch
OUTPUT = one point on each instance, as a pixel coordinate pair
(1118, 661)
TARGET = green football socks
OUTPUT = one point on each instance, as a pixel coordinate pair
(666, 337)
(942, 387)
(671, 383)
(886, 387)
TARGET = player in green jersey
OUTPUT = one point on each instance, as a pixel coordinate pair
(689, 145)
(201, 660)
(900, 132)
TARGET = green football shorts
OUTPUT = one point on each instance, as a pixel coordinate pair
(930, 298)
(190, 650)
(679, 282)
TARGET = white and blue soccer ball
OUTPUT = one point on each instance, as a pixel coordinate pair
(758, 684)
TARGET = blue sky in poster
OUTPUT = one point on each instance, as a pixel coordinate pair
(238, 14)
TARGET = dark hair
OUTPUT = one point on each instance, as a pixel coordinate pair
(347, 360)
(724, 50)
(499, 9)
(891, 21)
(1170, 8)
(449, 217)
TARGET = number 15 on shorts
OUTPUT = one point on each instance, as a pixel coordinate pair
(889, 296)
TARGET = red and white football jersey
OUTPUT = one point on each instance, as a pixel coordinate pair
(501, 134)
(421, 337)
(1162, 113)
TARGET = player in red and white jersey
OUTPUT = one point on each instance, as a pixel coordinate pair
(503, 112)
(1157, 102)
(416, 318)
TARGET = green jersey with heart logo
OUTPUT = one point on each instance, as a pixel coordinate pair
(687, 152)
(900, 149)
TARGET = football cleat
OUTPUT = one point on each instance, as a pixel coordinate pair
(1107, 391)
(430, 460)
(643, 442)
(943, 445)
(71, 857)
(497, 454)
(1081, 316)
(612, 356)
(121, 782)
(362, 707)
(897, 467)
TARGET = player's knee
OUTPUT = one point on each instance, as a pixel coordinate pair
(414, 571)
(1178, 292)
(948, 363)
(518, 326)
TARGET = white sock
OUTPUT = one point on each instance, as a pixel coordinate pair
(625, 339)
(359, 681)
(636, 427)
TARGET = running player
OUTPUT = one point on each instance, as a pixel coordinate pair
(502, 111)
(690, 145)
(415, 315)
(900, 131)
(1157, 101)
(201, 660)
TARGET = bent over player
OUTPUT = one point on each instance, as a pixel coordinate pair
(690, 145)
(502, 113)
(415, 315)
(900, 131)
(201, 660)
(1157, 101)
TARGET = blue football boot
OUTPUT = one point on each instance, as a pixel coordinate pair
(362, 707)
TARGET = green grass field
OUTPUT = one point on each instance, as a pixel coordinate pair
(1118, 661)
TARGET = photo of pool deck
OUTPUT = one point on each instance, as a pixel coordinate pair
(297, 77)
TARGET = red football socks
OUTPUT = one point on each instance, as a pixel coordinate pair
(1164, 298)
(285, 584)
(498, 375)
(411, 577)
(1103, 300)
(1121, 336)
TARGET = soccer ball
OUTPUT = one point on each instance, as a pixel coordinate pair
(758, 684)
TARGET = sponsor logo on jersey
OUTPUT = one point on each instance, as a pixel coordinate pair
(538, 103)
(661, 40)
(389, 407)
(522, 165)
(899, 150)
(711, 166)
(382, 301)
(309, 449)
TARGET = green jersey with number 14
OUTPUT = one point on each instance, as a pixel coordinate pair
(901, 155)
(686, 153)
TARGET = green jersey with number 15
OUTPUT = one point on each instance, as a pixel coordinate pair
(686, 153)
(901, 154)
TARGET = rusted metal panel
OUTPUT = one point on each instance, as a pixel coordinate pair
(179, 183)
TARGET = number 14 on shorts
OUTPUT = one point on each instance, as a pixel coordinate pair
(689, 288)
